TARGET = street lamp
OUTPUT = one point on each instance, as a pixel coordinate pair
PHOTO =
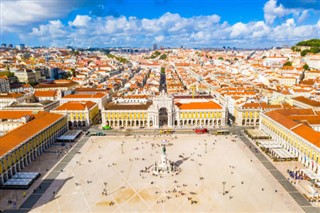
(122, 147)
(223, 184)
(105, 189)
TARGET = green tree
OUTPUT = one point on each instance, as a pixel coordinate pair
(288, 63)
(314, 50)
(220, 58)
(309, 43)
(163, 57)
(306, 67)
(304, 52)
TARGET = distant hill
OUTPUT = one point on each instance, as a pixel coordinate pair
(313, 44)
(309, 43)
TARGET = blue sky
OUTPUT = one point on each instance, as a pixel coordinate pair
(140, 23)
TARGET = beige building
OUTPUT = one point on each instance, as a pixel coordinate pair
(7, 99)
(290, 129)
(79, 113)
(25, 143)
(10, 120)
(311, 74)
(4, 84)
(26, 76)
(164, 111)
(43, 95)
(99, 98)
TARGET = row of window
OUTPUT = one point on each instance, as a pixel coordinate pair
(126, 115)
(200, 115)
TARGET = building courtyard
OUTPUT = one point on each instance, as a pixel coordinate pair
(218, 174)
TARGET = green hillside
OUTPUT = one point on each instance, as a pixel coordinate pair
(309, 43)
(314, 45)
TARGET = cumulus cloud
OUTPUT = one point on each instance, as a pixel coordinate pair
(281, 25)
(170, 30)
(80, 21)
(18, 13)
(273, 10)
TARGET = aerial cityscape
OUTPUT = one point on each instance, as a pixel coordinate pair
(160, 106)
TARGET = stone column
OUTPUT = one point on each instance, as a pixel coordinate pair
(170, 119)
(1, 179)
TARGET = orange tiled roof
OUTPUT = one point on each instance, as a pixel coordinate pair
(76, 105)
(45, 93)
(308, 133)
(307, 101)
(10, 95)
(17, 136)
(289, 119)
(281, 119)
(4, 114)
(97, 95)
(311, 119)
(199, 105)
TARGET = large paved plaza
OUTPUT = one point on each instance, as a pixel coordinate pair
(101, 165)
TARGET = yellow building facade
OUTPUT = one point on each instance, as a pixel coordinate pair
(22, 145)
(300, 140)
(79, 114)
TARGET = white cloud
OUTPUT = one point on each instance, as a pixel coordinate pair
(159, 38)
(304, 15)
(18, 13)
(170, 30)
(80, 21)
(272, 11)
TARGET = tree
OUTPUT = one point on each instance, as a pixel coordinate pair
(163, 57)
(309, 43)
(11, 74)
(220, 58)
(314, 50)
(306, 67)
(288, 63)
(304, 52)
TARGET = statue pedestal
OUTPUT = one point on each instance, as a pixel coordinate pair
(164, 164)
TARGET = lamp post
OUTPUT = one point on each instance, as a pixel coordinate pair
(223, 184)
(205, 147)
(105, 188)
(122, 147)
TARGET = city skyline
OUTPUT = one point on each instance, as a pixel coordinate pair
(241, 24)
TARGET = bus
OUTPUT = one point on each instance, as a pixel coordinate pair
(201, 130)
(222, 132)
(166, 131)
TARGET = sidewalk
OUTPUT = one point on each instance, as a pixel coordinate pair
(294, 193)
(46, 183)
